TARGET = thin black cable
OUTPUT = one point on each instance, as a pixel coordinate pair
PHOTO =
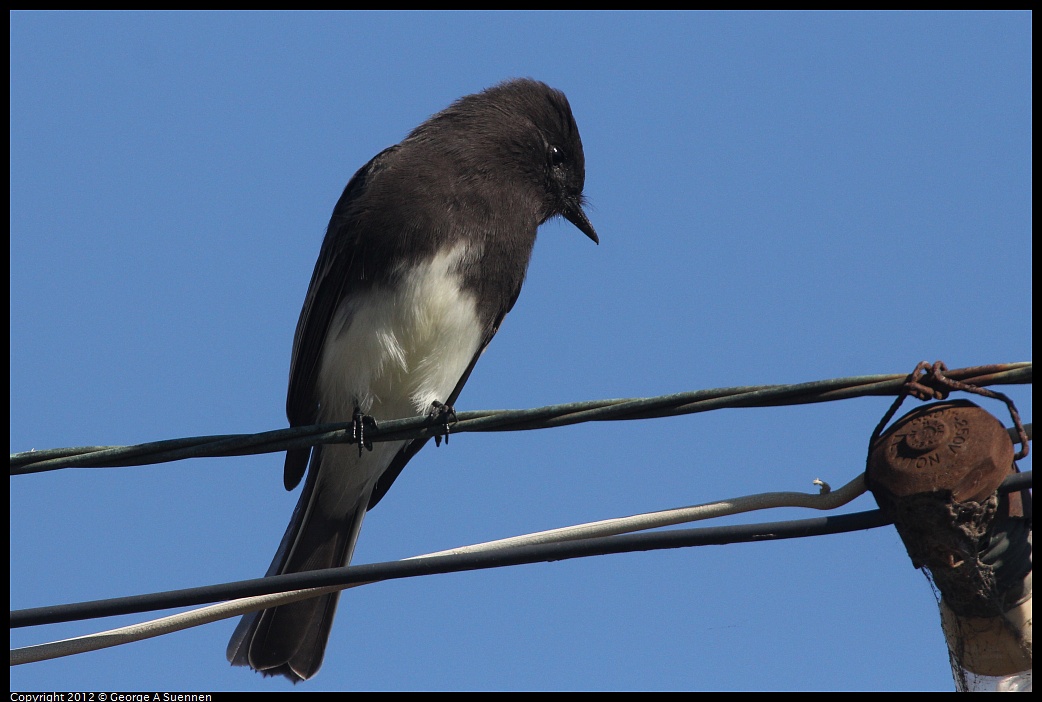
(433, 565)
(393, 570)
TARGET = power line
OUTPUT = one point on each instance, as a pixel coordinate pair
(459, 562)
(598, 538)
(499, 420)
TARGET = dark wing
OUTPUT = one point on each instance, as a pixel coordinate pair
(337, 273)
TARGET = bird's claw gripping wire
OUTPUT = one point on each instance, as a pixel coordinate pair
(359, 422)
(443, 414)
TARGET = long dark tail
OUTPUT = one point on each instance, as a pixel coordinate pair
(290, 640)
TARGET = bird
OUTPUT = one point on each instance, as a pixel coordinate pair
(425, 254)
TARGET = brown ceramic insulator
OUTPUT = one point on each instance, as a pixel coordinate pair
(952, 446)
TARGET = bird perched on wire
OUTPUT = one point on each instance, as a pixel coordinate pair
(424, 255)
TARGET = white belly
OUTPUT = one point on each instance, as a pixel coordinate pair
(392, 353)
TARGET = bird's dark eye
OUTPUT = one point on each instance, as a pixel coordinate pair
(556, 156)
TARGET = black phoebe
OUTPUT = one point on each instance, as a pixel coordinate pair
(424, 255)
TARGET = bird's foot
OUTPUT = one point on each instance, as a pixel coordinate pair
(443, 414)
(359, 423)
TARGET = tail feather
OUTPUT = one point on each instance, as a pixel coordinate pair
(290, 640)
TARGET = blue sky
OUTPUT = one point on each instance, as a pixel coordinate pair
(780, 198)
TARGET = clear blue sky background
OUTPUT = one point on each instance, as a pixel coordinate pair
(780, 197)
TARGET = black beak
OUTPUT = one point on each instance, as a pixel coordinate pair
(573, 212)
